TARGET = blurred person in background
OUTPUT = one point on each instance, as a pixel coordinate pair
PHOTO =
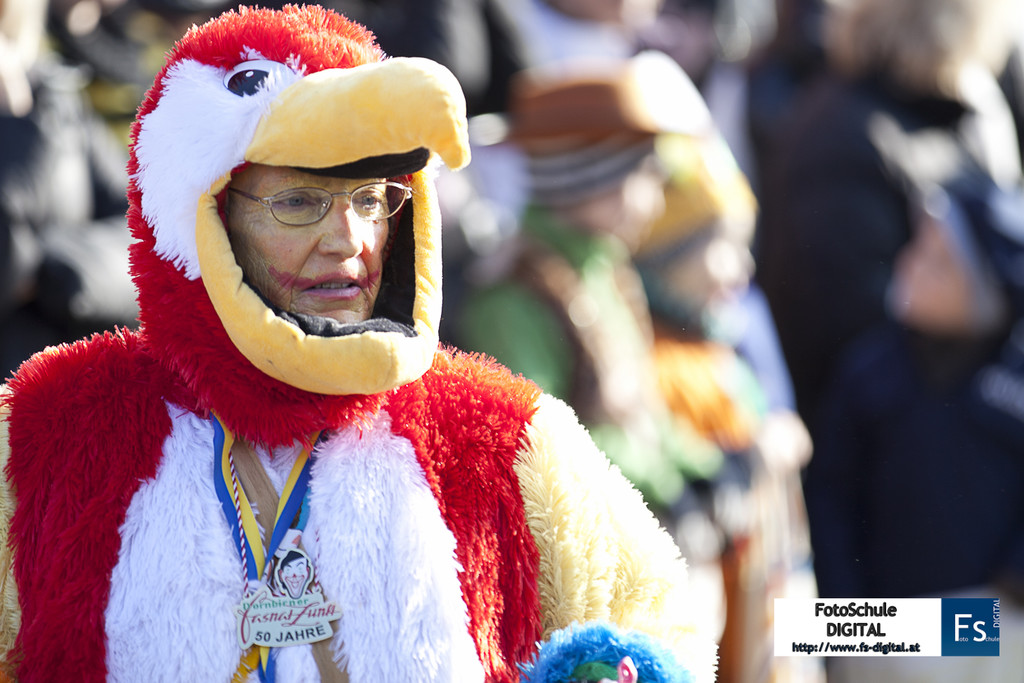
(63, 233)
(916, 487)
(556, 35)
(719, 369)
(484, 204)
(910, 93)
(563, 304)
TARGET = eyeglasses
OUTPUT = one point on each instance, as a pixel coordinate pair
(307, 205)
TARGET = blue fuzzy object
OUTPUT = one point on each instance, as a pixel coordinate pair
(602, 641)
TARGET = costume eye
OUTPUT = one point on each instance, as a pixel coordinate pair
(247, 77)
(246, 82)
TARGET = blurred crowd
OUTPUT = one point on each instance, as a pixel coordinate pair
(771, 251)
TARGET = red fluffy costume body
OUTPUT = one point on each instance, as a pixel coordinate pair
(455, 515)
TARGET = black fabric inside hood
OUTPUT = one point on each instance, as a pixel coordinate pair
(381, 166)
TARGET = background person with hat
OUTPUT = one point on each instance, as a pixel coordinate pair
(562, 303)
(719, 368)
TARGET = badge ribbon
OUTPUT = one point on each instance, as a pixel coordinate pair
(268, 618)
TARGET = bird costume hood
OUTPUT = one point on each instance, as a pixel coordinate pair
(307, 88)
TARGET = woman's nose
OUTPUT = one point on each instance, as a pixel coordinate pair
(341, 231)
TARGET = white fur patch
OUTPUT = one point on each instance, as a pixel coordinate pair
(198, 131)
(178, 575)
(385, 555)
(377, 539)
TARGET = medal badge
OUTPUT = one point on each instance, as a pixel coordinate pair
(284, 603)
(288, 610)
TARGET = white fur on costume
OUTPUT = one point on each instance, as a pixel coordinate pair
(178, 576)
(197, 133)
(379, 545)
(384, 554)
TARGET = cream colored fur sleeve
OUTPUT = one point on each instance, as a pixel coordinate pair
(603, 555)
(10, 613)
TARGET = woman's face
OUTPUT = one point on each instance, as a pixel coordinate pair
(331, 268)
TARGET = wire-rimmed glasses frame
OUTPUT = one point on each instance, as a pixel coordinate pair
(300, 206)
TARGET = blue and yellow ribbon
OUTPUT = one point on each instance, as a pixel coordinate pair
(244, 529)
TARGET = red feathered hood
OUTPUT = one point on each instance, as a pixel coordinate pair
(298, 87)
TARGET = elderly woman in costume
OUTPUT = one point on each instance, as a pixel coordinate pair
(285, 393)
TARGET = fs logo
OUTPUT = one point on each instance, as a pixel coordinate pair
(970, 627)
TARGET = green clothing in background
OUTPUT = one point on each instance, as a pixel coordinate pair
(569, 313)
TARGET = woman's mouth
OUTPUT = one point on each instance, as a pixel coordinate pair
(327, 294)
(335, 291)
(336, 287)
